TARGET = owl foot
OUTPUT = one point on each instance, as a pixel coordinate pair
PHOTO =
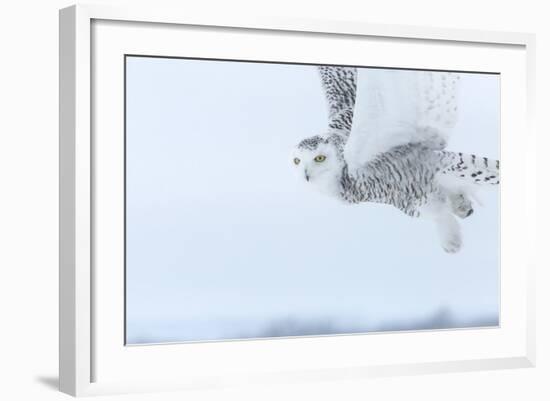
(449, 233)
(461, 206)
(452, 245)
(463, 211)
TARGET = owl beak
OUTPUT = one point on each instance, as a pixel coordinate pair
(307, 176)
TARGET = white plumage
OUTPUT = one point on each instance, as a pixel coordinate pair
(396, 107)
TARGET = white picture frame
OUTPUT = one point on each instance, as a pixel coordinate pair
(86, 335)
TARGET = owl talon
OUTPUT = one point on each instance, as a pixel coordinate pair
(453, 246)
(461, 206)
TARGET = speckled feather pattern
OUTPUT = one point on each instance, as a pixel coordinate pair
(407, 177)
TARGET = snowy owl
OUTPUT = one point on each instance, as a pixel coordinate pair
(385, 143)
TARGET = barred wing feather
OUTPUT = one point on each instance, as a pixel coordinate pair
(339, 86)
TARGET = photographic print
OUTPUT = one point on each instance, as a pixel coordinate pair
(267, 199)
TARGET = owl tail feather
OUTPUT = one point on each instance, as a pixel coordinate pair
(473, 169)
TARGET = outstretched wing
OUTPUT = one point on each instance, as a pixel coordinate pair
(396, 107)
(339, 85)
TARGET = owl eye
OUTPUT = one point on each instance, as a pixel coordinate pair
(320, 158)
(296, 161)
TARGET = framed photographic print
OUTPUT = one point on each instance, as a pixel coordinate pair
(280, 200)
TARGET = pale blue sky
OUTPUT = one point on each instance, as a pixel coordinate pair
(224, 242)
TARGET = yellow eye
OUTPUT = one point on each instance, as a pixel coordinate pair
(296, 161)
(320, 158)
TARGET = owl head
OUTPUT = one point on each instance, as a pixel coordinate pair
(318, 159)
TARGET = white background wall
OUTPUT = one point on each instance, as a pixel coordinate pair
(28, 198)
